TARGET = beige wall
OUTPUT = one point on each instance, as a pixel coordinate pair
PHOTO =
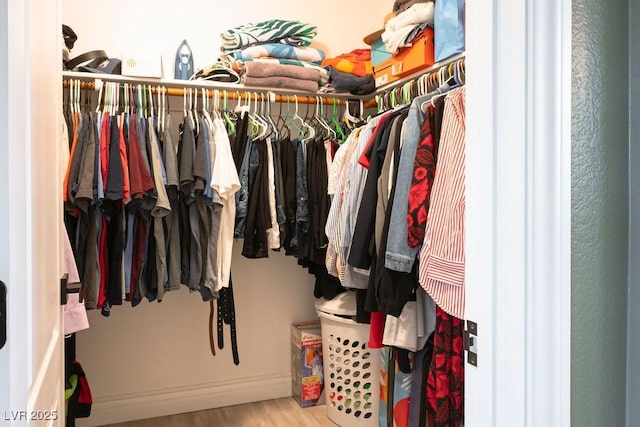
(154, 359)
(159, 26)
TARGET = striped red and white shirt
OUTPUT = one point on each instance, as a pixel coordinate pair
(442, 260)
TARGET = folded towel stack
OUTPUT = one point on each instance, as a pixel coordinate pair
(282, 76)
(275, 53)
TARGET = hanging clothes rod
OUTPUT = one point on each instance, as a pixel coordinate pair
(233, 91)
(424, 80)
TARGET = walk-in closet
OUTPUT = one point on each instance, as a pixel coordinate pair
(394, 213)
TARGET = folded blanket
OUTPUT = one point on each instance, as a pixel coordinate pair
(356, 62)
(281, 83)
(324, 74)
(265, 31)
(397, 29)
(416, 14)
(265, 69)
(275, 50)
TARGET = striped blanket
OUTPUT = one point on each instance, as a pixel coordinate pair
(286, 32)
(276, 50)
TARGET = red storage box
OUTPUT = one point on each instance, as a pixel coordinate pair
(407, 61)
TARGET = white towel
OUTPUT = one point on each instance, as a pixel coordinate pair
(397, 29)
(417, 14)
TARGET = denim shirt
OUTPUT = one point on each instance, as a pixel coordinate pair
(399, 255)
(302, 197)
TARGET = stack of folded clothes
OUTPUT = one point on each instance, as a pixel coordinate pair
(350, 72)
(410, 20)
(275, 53)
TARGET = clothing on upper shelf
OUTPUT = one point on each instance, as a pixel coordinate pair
(293, 33)
(278, 50)
(279, 82)
(356, 62)
(323, 73)
(291, 63)
(400, 30)
(339, 81)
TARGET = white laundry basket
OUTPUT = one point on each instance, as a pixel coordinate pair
(351, 368)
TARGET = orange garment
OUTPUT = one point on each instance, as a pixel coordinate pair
(356, 62)
(65, 183)
(125, 163)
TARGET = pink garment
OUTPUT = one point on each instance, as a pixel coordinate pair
(75, 314)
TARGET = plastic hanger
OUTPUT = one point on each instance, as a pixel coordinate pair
(336, 124)
(231, 129)
(72, 94)
(184, 103)
(215, 106)
(150, 99)
(292, 119)
(262, 128)
(254, 127)
(311, 130)
(160, 120)
(269, 119)
(347, 118)
(281, 123)
(205, 107)
(330, 132)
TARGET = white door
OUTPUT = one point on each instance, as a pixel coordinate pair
(31, 362)
(518, 211)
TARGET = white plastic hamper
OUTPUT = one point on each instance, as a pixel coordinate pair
(351, 368)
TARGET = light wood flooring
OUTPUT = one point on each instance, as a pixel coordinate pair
(271, 413)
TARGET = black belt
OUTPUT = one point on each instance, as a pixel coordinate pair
(226, 315)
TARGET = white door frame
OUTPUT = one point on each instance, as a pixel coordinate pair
(31, 363)
(519, 211)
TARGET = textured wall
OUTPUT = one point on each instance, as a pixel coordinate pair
(633, 373)
(600, 217)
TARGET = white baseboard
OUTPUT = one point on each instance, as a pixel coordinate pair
(169, 401)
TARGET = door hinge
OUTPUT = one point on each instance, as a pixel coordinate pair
(3, 314)
(471, 342)
(64, 280)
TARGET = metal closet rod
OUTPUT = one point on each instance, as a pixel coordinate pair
(178, 87)
(233, 93)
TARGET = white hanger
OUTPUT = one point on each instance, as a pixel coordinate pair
(100, 87)
(205, 102)
(322, 120)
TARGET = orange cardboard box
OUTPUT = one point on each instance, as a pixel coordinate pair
(407, 61)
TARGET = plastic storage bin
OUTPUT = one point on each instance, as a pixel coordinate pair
(351, 368)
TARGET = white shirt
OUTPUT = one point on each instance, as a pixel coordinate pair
(224, 180)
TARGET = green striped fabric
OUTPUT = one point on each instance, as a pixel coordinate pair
(290, 32)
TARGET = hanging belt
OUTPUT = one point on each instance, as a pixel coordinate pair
(212, 344)
(226, 314)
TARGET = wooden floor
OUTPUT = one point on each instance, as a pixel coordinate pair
(271, 413)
